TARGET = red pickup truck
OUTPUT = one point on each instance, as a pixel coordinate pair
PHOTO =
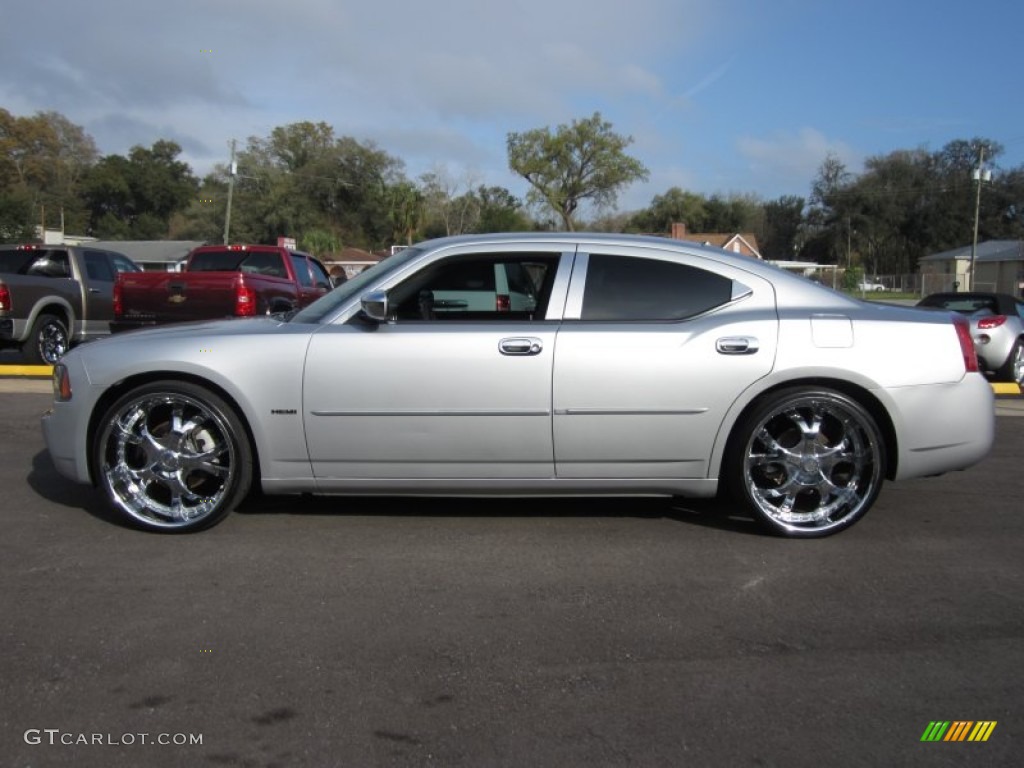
(220, 281)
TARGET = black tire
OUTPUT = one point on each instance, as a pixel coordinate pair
(172, 457)
(47, 342)
(1013, 368)
(806, 462)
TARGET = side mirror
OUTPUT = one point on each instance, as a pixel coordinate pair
(375, 305)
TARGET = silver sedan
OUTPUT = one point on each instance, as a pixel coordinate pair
(997, 327)
(638, 366)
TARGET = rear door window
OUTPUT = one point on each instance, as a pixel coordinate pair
(625, 288)
(301, 268)
(97, 267)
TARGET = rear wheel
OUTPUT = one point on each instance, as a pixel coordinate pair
(806, 462)
(1013, 368)
(173, 457)
(47, 341)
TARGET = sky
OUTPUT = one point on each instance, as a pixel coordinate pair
(719, 96)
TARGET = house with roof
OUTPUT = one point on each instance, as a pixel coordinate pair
(738, 242)
(998, 266)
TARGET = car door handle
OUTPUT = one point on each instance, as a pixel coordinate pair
(737, 345)
(522, 345)
(94, 290)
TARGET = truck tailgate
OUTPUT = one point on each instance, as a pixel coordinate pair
(168, 297)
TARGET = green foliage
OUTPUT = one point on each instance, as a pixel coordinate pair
(320, 242)
(783, 220)
(673, 206)
(852, 278)
(134, 197)
(579, 162)
(42, 160)
(500, 211)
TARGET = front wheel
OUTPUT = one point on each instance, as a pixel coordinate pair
(173, 457)
(806, 462)
(47, 341)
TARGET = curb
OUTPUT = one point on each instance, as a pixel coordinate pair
(1001, 388)
(32, 371)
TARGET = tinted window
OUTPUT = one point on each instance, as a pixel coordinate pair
(50, 263)
(217, 261)
(626, 288)
(15, 262)
(268, 264)
(97, 267)
(124, 264)
(301, 270)
(963, 304)
(320, 276)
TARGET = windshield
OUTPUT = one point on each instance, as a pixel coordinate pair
(328, 303)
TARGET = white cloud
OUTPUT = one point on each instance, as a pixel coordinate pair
(790, 161)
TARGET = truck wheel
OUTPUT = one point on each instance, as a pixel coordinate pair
(47, 341)
(172, 457)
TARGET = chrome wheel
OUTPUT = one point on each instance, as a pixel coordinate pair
(172, 457)
(1017, 363)
(812, 462)
(49, 339)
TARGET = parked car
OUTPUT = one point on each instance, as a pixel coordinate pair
(870, 286)
(641, 366)
(221, 281)
(997, 327)
(53, 296)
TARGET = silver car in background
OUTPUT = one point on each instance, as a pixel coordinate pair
(997, 327)
(639, 366)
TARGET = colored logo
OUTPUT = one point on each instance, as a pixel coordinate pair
(958, 730)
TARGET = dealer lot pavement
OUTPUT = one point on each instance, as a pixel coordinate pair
(482, 632)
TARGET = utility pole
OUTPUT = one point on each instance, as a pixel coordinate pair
(232, 171)
(980, 175)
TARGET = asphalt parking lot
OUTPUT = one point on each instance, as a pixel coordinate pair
(607, 632)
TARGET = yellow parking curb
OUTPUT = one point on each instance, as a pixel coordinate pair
(26, 370)
(1001, 388)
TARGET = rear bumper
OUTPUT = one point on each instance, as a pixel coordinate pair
(120, 326)
(942, 427)
(6, 329)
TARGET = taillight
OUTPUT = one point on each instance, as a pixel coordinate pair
(963, 332)
(992, 321)
(502, 303)
(245, 299)
(118, 299)
(5, 298)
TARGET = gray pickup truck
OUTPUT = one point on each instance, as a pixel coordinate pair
(54, 296)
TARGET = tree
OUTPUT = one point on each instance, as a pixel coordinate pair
(579, 162)
(449, 209)
(783, 221)
(673, 206)
(500, 211)
(135, 196)
(42, 160)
